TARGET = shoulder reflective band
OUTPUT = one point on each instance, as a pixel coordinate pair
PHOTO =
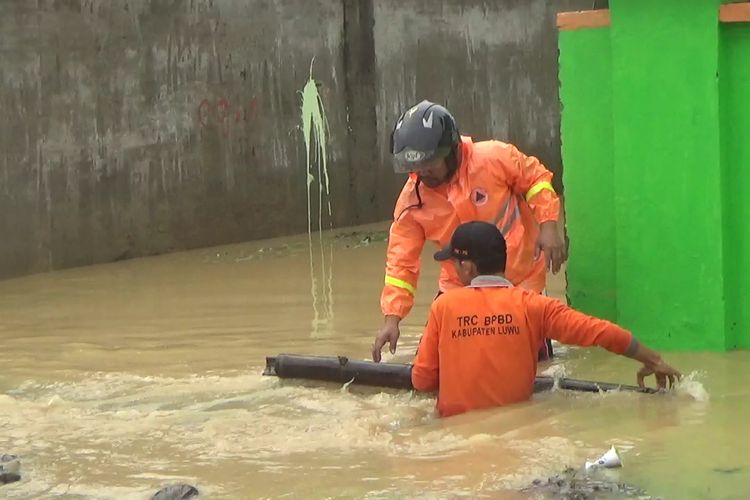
(539, 186)
(390, 280)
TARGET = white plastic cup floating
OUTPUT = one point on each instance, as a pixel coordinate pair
(609, 460)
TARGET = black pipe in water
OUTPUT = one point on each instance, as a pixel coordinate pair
(396, 375)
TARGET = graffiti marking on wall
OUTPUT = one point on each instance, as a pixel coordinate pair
(225, 113)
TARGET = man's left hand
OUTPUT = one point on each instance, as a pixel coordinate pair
(552, 245)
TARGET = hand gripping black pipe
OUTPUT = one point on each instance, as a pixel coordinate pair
(397, 375)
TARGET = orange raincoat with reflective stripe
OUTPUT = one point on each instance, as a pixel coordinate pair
(495, 182)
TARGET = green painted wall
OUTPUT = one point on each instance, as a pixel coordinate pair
(667, 171)
(656, 148)
(586, 132)
(734, 78)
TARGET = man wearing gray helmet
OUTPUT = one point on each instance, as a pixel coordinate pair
(454, 180)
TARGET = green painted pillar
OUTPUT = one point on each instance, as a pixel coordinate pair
(668, 196)
(586, 132)
(734, 87)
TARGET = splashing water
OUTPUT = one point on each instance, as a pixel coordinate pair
(556, 371)
(692, 387)
(315, 132)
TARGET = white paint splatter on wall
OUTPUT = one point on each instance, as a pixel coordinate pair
(315, 133)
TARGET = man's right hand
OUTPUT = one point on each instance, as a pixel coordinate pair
(388, 334)
(654, 365)
(663, 373)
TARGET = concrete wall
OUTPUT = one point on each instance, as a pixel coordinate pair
(493, 63)
(135, 127)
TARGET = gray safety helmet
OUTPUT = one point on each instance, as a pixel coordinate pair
(424, 132)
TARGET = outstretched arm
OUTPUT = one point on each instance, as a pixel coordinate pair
(569, 326)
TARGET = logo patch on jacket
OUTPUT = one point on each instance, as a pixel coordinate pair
(479, 196)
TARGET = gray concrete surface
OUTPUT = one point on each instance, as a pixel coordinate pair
(137, 127)
(493, 63)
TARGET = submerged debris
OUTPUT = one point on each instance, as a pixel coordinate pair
(176, 492)
(9, 477)
(569, 486)
(363, 237)
(9, 468)
(727, 470)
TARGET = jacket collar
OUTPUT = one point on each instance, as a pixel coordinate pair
(488, 280)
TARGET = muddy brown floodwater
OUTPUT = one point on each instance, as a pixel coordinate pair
(117, 379)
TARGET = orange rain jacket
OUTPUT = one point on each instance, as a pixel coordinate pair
(480, 345)
(496, 183)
